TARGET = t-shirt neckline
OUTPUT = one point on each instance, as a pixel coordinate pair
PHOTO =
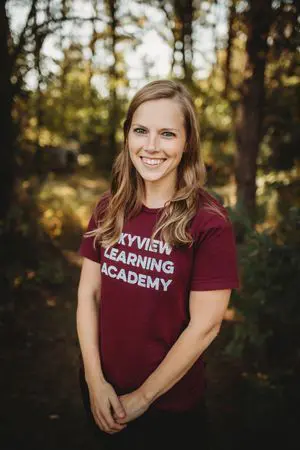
(151, 210)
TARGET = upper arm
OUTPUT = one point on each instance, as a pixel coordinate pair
(90, 279)
(214, 275)
(215, 264)
(90, 276)
(89, 248)
(207, 308)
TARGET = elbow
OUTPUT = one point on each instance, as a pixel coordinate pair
(216, 330)
(206, 333)
(212, 332)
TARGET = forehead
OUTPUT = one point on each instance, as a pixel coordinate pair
(164, 113)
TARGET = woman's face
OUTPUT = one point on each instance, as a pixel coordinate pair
(156, 141)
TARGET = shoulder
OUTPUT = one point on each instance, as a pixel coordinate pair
(101, 205)
(211, 213)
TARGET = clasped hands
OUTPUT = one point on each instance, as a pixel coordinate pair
(112, 412)
(134, 405)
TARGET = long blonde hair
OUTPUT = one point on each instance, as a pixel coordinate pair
(127, 186)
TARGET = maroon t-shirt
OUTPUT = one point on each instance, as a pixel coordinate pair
(145, 297)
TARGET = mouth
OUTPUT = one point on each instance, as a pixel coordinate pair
(152, 162)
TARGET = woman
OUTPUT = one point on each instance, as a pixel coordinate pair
(158, 269)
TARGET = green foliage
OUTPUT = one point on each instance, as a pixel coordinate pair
(282, 119)
(70, 106)
(217, 139)
(268, 336)
(28, 254)
(50, 272)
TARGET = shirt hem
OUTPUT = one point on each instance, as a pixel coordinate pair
(234, 284)
(88, 257)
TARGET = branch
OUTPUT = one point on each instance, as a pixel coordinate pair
(20, 45)
(46, 24)
(163, 7)
(75, 19)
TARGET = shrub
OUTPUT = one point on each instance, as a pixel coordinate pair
(269, 299)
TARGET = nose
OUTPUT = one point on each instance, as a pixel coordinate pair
(151, 144)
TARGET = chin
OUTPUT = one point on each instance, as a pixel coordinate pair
(150, 178)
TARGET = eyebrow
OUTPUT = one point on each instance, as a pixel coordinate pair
(162, 129)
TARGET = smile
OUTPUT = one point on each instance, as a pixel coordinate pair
(152, 162)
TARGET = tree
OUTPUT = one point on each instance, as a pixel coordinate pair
(249, 114)
(229, 51)
(114, 115)
(7, 157)
(11, 74)
(180, 16)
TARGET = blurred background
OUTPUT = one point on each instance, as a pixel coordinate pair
(68, 71)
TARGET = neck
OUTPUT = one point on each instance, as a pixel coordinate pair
(157, 194)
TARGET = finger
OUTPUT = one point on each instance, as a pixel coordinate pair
(103, 425)
(113, 425)
(117, 407)
(99, 420)
(109, 422)
(105, 421)
(98, 416)
(113, 430)
(120, 421)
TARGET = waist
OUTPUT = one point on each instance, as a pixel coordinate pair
(184, 395)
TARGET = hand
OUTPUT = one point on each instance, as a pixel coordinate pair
(105, 405)
(134, 404)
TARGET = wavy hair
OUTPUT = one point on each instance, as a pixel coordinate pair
(127, 186)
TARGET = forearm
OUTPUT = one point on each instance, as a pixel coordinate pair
(88, 335)
(181, 357)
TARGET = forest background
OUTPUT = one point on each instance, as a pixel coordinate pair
(68, 71)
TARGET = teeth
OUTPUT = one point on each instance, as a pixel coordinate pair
(153, 162)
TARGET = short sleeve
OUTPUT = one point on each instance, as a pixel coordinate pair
(215, 259)
(86, 248)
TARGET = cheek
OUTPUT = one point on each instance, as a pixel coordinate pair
(132, 145)
(132, 153)
(176, 152)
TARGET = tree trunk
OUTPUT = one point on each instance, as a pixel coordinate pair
(188, 16)
(232, 14)
(6, 138)
(250, 110)
(113, 79)
(184, 13)
(92, 47)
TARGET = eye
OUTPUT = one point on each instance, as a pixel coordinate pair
(169, 133)
(139, 130)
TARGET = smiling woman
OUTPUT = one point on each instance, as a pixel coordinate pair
(159, 265)
(154, 151)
